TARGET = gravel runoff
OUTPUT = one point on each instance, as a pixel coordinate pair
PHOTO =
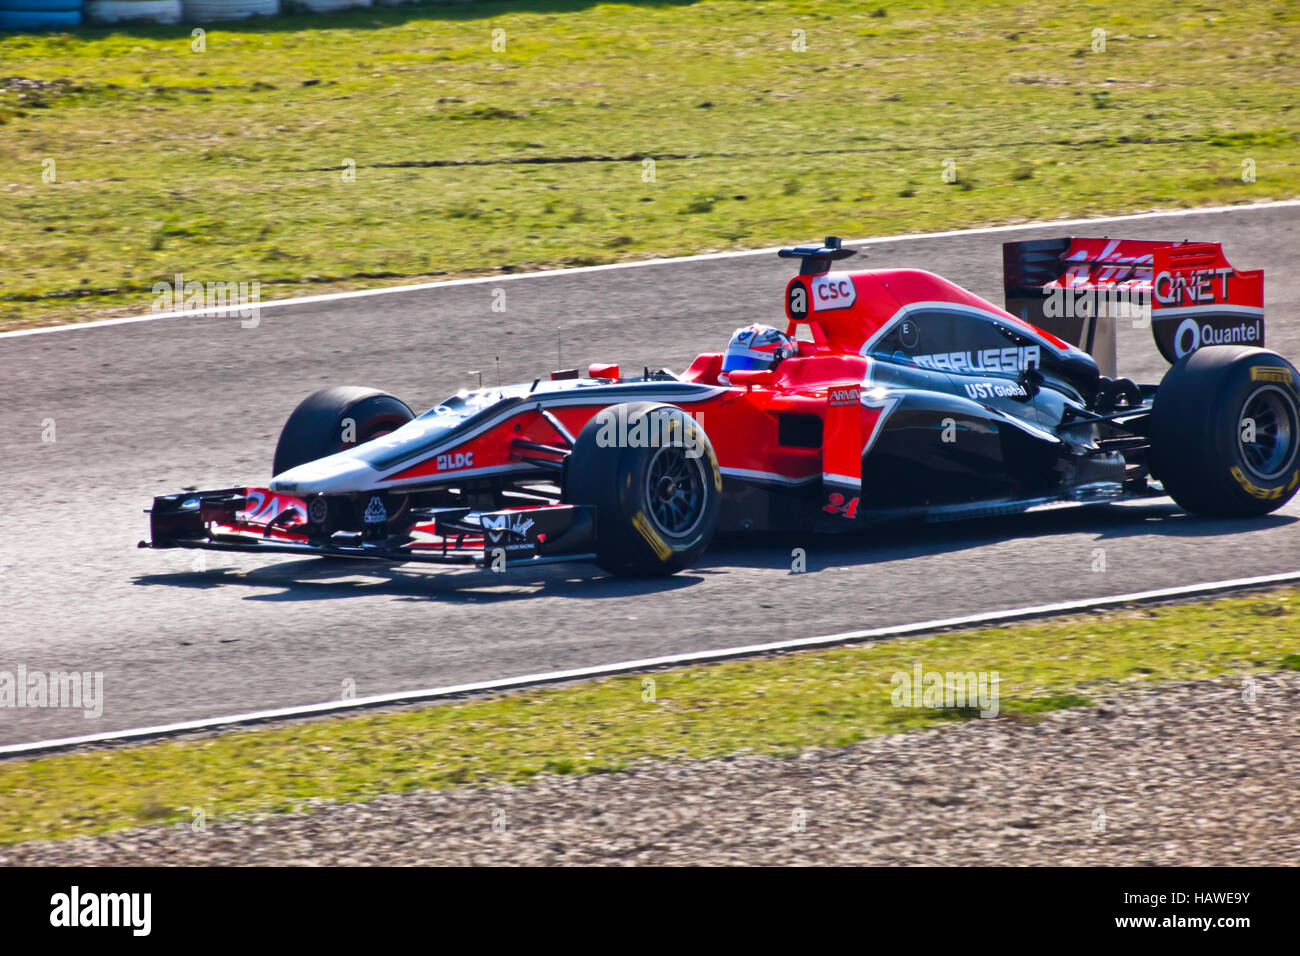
(1191, 774)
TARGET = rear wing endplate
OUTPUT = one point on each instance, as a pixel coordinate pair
(1187, 293)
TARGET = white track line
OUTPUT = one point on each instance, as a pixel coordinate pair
(622, 667)
(635, 264)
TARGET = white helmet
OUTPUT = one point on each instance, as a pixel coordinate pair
(756, 347)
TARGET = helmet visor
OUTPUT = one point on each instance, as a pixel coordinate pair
(740, 361)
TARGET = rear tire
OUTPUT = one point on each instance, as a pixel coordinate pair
(656, 500)
(325, 420)
(1209, 407)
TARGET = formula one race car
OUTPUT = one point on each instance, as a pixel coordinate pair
(906, 396)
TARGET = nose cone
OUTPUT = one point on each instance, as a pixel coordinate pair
(332, 475)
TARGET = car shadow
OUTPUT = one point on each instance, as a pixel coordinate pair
(314, 579)
(899, 541)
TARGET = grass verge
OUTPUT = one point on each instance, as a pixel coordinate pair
(129, 154)
(777, 705)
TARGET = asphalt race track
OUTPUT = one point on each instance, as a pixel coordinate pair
(154, 407)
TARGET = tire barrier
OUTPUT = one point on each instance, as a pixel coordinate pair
(332, 6)
(132, 11)
(212, 11)
(39, 14)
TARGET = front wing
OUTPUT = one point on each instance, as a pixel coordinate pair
(254, 520)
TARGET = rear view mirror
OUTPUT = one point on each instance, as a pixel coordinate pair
(751, 377)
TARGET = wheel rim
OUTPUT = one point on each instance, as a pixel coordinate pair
(1274, 415)
(374, 430)
(675, 490)
(385, 426)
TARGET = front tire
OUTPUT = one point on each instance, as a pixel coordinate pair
(1225, 431)
(652, 475)
(336, 418)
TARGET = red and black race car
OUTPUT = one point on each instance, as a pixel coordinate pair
(902, 395)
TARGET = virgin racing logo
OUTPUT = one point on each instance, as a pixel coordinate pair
(516, 525)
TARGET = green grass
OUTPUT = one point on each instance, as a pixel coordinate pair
(226, 164)
(779, 706)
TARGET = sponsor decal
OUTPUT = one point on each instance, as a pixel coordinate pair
(1191, 335)
(260, 504)
(1192, 287)
(832, 292)
(657, 544)
(375, 512)
(1011, 359)
(318, 510)
(909, 333)
(453, 461)
(844, 396)
(1270, 373)
(995, 390)
(1264, 494)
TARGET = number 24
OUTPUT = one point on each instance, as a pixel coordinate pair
(837, 505)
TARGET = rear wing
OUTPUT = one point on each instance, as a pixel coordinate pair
(1186, 292)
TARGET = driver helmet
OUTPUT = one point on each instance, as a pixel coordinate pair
(756, 347)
